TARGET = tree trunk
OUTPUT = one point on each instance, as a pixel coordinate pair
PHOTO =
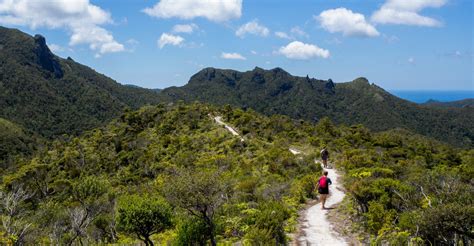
(213, 241)
(148, 241)
(211, 231)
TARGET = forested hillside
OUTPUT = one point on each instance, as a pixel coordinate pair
(171, 174)
(52, 96)
(15, 143)
(466, 103)
(358, 102)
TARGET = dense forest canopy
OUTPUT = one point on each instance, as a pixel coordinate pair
(201, 184)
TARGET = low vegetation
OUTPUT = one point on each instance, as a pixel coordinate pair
(170, 174)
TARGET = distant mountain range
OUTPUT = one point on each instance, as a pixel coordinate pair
(465, 103)
(48, 95)
(357, 102)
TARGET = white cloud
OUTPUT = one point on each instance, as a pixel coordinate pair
(403, 12)
(253, 52)
(81, 18)
(390, 39)
(132, 44)
(301, 51)
(56, 48)
(254, 28)
(97, 38)
(282, 35)
(214, 10)
(295, 31)
(411, 60)
(232, 56)
(347, 22)
(169, 39)
(186, 28)
(298, 31)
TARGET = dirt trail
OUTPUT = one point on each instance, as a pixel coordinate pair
(219, 121)
(316, 229)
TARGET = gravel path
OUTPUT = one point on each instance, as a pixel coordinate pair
(316, 229)
(219, 121)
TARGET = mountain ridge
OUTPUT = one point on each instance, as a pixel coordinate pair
(275, 91)
(51, 95)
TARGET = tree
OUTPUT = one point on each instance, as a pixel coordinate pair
(12, 213)
(143, 216)
(92, 194)
(200, 193)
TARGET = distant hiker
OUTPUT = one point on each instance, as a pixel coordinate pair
(325, 157)
(323, 187)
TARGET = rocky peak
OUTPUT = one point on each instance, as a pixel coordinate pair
(329, 86)
(46, 59)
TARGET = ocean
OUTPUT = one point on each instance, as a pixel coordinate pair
(442, 96)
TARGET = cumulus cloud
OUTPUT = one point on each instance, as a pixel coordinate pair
(252, 27)
(301, 51)
(404, 12)
(283, 35)
(185, 28)
(346, 22)
(214, 10)
(81, 18)
(232, 56)
(169, 39)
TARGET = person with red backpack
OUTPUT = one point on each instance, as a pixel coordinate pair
(323, 187)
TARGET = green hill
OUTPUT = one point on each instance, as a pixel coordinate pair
(189, 180)
(52, 96)
(15, 143)
(358, 102)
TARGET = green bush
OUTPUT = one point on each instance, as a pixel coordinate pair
(143, 216)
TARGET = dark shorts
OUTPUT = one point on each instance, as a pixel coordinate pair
(323, 190)
(325, 158)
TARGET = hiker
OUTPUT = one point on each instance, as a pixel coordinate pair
(323, 188)
(325, 157)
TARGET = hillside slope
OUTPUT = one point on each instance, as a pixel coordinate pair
(52, 96)
(239, 191)
(358, 102)
(15, 143)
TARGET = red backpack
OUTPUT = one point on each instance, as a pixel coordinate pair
(323, 182)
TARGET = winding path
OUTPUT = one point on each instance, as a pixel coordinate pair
(316, 228)
(219, 121)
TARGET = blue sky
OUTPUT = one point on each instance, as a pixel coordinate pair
(396, 44)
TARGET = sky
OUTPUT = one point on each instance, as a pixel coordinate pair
(396, 44)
